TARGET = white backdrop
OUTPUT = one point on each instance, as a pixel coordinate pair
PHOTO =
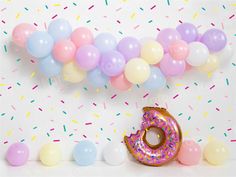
(67, 113)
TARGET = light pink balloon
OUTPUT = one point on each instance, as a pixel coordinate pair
(64, 50)
(82, 36)
(21, 32)
(178, 50)
(170, 67)
(120, 82)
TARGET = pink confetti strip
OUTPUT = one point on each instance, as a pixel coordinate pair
(176, 96)
(113, 96)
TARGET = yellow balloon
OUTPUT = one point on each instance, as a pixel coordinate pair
(216, 152)
(152, 52)
(211, 64)
(72, 73)
(137, 71)
(50, 154)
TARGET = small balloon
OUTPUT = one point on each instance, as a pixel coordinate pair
(50, 154)
(85, 153)
(105, 42)
(72, 73)
(225, 54)
(129, 47)
(188, 32)
(49, 67)
(214, 39)
(152, 52)
(211, 64)
(120, 82)
(178, 50)
(59, 29)
(39, 44)
(112, 63)
(87, 57)
(17, 154)
(97, 78)
(82, 36)
(137, 71)
(21, 33)
(64, 50)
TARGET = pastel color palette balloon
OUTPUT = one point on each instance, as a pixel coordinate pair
(21, 33)
(105, 42)
(85, 153)
(137, 71)
(129, 47)
(82, 36)
(190, 153)
(87, 57)
(112, 63)
(72, 73)
(49, 67)
(171, 67)
(188, 32)
(64, 50)
(211, 64)
(225, 54)
(59, 29)
(97, 78)
(50, 154)
(152, 52)
(178, 50)
(39, 44)
(17, 154)
(120, 82)
(216, 152)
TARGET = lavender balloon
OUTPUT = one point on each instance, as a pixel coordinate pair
(105, 42)
(112, 63)
(17, 154)
(188, 32)
(214, 39)
(129, 47)
(87, 57)
(166, 36)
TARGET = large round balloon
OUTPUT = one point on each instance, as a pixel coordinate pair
(50, 154)
(214, 39)
(211, 64)
(188, 32)
(49, 67)
(97, 78)
(82, 36)
(59, 29)
(178, 50)
(225, 54)
(137, 71)
(120, 82)
(21, 33)
(112, 63)
(39, 44)
(105, 42)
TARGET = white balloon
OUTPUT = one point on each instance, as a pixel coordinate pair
(198, 54)
(225, 54)
(114, 153)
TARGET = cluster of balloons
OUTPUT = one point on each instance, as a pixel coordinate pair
(77, 54)
(84, 154)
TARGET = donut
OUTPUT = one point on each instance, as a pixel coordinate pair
(170, 137)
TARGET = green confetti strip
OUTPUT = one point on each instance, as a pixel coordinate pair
(227, 81)
(108, 139)
(180, 114)
(5, 48)
(106, 2)
(209, 101)
(189, 118)
(64, 128)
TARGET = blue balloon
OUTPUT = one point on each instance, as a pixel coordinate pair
(39, 44)
(49, 67)
(85, 153)
(59, 29)
(105, 42)
(97, 78)
(156, 79)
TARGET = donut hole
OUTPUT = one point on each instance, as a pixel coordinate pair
(154, 137)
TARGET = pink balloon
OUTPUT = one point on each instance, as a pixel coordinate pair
(120, 82)
(21, 32)
(190, 153)
(178, 50)
(171, 67)
(64, 50)
(187, 67)
(82, 36)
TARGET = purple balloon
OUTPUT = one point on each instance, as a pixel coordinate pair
(214, 39)
(171, 67)
(166, 36)
(17, 154)
(188, 32)
(87, 57)
(112, 63)
(129, 47)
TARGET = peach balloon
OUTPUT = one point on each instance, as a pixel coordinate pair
(178, 50)
(190, 153)
(82, 36)
(64, 50)
(120, 82)
(21, 32)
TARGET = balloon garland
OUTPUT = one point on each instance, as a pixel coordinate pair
(77, 54)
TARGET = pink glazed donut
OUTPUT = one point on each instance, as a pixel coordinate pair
(169, 134)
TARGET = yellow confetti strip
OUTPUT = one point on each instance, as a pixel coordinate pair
(96, 115)
(199, 98)
(234, 4)
(78, 18)
(133, 15)
(77, 94)
(186, 133)
(18, 15)
(2, 84)
(178, 85)
(195, 15)
(124, 133)
(9, 133)
(22, 98)
(33, 138)
(114, 130)
(56, 5)
(74, 121)
(32, 74)
(205, 114)
(128, 114)
(209, 75)
(28, 115)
